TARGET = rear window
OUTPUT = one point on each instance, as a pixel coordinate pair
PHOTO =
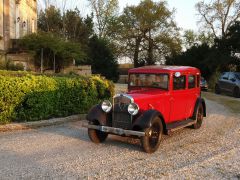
(179, 82)
(191, 81)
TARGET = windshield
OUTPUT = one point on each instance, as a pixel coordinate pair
(149, 80)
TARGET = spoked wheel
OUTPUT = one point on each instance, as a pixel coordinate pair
(199, 117)
(97, 136)
(152, 139)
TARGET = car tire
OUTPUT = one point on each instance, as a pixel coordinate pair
(199, 117)
(217, 89)
(236, 92)
(97, 136)
(152, 139)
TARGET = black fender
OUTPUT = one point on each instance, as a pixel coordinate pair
(97, 114)
(145, 120)
(200, 100)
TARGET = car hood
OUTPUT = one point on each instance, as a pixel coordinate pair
(144, 94)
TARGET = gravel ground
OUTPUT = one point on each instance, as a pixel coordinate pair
(65, 152)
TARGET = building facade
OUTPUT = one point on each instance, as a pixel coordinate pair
(17, 19)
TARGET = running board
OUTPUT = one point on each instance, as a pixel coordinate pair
(179, 125)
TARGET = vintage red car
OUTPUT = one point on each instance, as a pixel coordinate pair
(160, 99)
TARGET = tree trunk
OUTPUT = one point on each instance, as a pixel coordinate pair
(136, 51)
(150, 60)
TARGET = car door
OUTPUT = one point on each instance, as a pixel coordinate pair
(178, 98)
(193, 93)
(231, 83)
(223, 81)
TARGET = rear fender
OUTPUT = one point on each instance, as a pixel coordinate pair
(199, 101)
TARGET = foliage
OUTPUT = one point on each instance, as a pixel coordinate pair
(148, 33)
(50, 20)
(191, 38)
(15, 73)
(76, 28)
(64, 51)
(102, 58)
(41, 97)
(104, 11)
(196, 56)
(218, 15)
(69, 25)
(8, 65)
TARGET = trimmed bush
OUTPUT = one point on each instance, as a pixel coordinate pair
(32, 98)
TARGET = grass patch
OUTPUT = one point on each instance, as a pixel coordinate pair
(232, 103)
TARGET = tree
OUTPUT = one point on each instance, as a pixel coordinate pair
(218, 15)
(211, 59)
(54, 48)
(148, 30)
(230, 45)
(70, 25)
(191, 38)
(50, 20)
(76, 28)
(102, 58)
(104, 11)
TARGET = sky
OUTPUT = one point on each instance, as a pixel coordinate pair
(185, 15)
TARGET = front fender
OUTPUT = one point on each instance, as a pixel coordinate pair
(96, 114)
(145, 120)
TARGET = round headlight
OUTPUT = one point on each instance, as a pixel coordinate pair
(133, 109)
(106, 106)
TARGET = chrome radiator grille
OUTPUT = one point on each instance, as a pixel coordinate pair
(121, 117)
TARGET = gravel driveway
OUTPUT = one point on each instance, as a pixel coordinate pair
(65, 152)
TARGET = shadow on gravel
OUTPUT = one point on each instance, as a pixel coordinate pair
(76, 131)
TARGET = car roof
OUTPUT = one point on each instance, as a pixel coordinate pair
(163, 69)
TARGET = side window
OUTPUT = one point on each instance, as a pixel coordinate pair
(179, 82)
(232, 77)
(225, 76)
(191, 81)
(198, 80)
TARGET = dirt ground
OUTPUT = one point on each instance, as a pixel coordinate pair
(65, 152)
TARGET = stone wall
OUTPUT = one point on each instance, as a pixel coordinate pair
(25, 59)
(80, 70)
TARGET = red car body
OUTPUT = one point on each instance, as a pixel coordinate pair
(160, 99)
(174, 105)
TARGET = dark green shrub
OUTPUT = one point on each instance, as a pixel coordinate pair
(31, 98)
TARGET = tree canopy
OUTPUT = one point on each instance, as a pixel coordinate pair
(148, 32)
(64, 51)
(218, 15)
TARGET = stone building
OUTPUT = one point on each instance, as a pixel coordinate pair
(17, 19)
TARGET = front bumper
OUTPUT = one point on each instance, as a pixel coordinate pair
(113, 130)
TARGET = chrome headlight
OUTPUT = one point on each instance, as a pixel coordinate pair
(133, 109)
(106, 106)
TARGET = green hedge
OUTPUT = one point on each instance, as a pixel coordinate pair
(32, 98)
